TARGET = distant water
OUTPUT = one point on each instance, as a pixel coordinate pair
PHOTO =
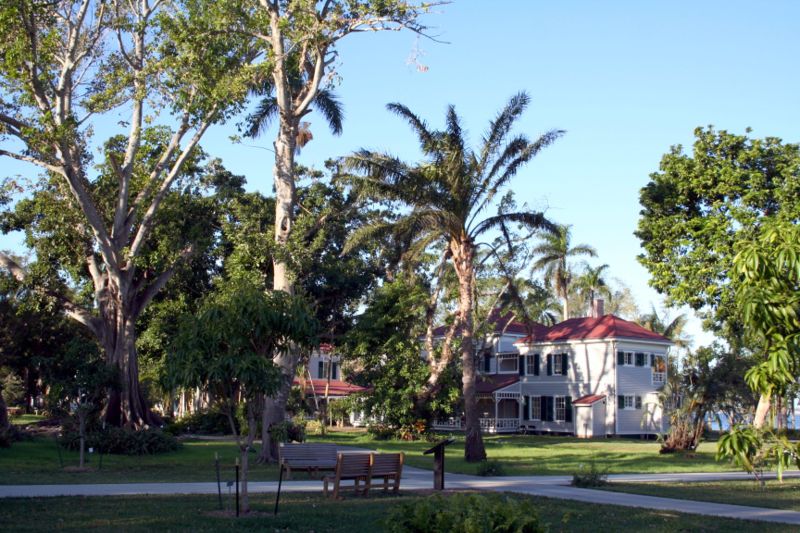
(720, 423)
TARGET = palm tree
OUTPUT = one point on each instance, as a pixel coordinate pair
(673, 329)
(446, 195)
(592, 283)
(554, 252)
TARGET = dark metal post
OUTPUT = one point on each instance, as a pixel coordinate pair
(438, 463)
(219, 487)
(237, 487)
(278, 496)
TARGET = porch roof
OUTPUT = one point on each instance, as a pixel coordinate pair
(337, 387)
(589, 399)
(488, 384)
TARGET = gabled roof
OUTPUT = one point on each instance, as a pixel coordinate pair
(604, 327)
(488, 384)
(589, 399)
(337, 387)
(504, 323)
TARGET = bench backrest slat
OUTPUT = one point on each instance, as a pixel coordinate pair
(299, 455)
(386, 463)
(352, 465)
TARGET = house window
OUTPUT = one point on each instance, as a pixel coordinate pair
(629, 402)
(560, 408)
(328, 369)
(659, 365)
(532, 365)
(557, 364)
(507, 363)
(625, 358)
(535, 403)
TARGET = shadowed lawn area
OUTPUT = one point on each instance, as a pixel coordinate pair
(304, 512)
(22, 420)
(523, 455)
(776, 495)
(37, 462)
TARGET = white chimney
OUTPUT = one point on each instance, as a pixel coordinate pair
(597, 308)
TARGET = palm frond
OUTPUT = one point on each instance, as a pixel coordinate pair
(501, 125)
(330, 106)
(258, 122)
(419, 126)
(529, 219)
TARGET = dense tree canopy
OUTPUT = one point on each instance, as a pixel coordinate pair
(699, 206)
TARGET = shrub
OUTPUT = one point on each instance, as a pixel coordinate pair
(590, 477)
(120, 441)
(466, 512)
(490, 468)
(212, 422)
(288, 431)
(12, 434)
(380, 431)
(313, 427)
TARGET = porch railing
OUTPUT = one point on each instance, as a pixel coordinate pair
(488, 425)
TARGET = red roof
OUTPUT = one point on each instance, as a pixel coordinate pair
(589, 399)
(487, 384)
(337, 387)
(604, 327)
(502, 324)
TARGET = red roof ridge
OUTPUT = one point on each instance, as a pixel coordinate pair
(585, 328)
(589, 399)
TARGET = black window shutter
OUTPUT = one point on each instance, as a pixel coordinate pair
(536, 361)
(521, 365)
(652, 360)
(334, 370)
(638, 403)
(568, 409)
(549, 409)
(321, 370)
(564, 362)
(526, 408)
(549, 364)
(639, 359)
(487, 362)
(620, 358)
(621, 401)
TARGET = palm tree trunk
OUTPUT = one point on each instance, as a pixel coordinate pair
(463, 259)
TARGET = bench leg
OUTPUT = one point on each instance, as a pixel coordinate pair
(336, 489)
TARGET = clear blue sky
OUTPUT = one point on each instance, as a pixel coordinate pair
(626, 80)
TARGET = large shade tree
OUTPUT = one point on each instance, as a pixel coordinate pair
(69, 65)
(446, 195)
(554, 253)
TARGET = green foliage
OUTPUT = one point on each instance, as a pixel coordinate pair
(209, 422)
(288, 431)
(768, 270)
(469, 513)
(590, 477)
(120, 441)
(489, 468)
(700, 207)
(756, 450)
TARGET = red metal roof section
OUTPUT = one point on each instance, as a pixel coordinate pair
(487, 384)
(504, 323)
(589, 399)
(604, 327)
(337, 387)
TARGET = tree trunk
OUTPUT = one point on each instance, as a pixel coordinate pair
(463, 257)
(82, 429)
(762, 410)
(275, 407)
(4, 421)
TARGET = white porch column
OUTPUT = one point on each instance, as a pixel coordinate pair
(496, 403)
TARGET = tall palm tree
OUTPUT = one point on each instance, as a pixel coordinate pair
(445, 195)
(554, 252)
(592, 283)
(673, 329)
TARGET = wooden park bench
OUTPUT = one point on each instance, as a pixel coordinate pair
(14, 412)
(361, 468)
(309, 457)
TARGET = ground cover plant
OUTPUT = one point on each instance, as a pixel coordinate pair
(307, 512)
(773, 494)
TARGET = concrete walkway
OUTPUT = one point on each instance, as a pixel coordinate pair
(418, 479)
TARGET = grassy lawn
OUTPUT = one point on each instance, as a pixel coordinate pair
(523, 455)
(784, 495)
(304, 512)
(22, 420)
(37, 462)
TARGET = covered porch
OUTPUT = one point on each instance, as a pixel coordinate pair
(499, 401)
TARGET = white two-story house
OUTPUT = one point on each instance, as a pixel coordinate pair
(590, 377)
